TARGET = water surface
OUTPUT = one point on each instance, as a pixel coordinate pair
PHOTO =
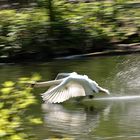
(116, 117)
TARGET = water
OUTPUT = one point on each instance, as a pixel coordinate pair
(109, 118)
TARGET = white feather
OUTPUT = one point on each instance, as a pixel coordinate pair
(73, 85)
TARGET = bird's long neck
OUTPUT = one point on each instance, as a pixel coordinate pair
(48, 83)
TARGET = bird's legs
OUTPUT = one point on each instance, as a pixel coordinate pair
(90, 96)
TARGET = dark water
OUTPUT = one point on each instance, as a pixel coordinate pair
(116, 117)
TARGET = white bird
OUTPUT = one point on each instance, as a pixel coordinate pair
(68, 85)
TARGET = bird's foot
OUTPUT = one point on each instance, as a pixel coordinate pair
(90, 96)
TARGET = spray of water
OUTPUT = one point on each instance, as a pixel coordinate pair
(119, 98)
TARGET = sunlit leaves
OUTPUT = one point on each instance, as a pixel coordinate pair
(67, 138)
(17, 29)
(16, 137)
(6, 90)
(15, 98)
(2, 133)
(8, 84)
(102, 18)
(1, 105)
(36, 77)
(29, 30)
(24, 79)
(35, 120)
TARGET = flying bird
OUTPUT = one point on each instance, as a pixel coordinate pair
(68, 85)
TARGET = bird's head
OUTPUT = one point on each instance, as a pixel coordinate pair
(97, 88)
(104, 90)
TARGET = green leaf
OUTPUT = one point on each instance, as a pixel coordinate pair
(24, 79)
(15, 100)
(16, 137)
(36, 77)
(6, 90)
(1, 105)
(36, 120)
(2, 133)
(8, 84)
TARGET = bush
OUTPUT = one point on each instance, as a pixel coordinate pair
(15, 99)
(75, 26)
(22, 31)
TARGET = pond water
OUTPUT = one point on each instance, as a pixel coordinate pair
(116, 117)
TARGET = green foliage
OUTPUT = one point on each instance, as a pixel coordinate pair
(20, 31)
(58, 25)
(15, 98)
(103, 18)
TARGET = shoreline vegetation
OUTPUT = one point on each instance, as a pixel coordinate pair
(130, 49)
(120, 49)
(52, 29)
(125, 49)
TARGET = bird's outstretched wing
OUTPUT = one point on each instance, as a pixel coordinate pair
(64, 92)
(62, 75)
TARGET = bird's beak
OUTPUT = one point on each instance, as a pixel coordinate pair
(104, 90)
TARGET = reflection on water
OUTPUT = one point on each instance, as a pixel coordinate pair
(81, 120)
(112, 118)
(71, 122)
(101, 119)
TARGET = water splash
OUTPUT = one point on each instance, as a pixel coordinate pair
(119, 98)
